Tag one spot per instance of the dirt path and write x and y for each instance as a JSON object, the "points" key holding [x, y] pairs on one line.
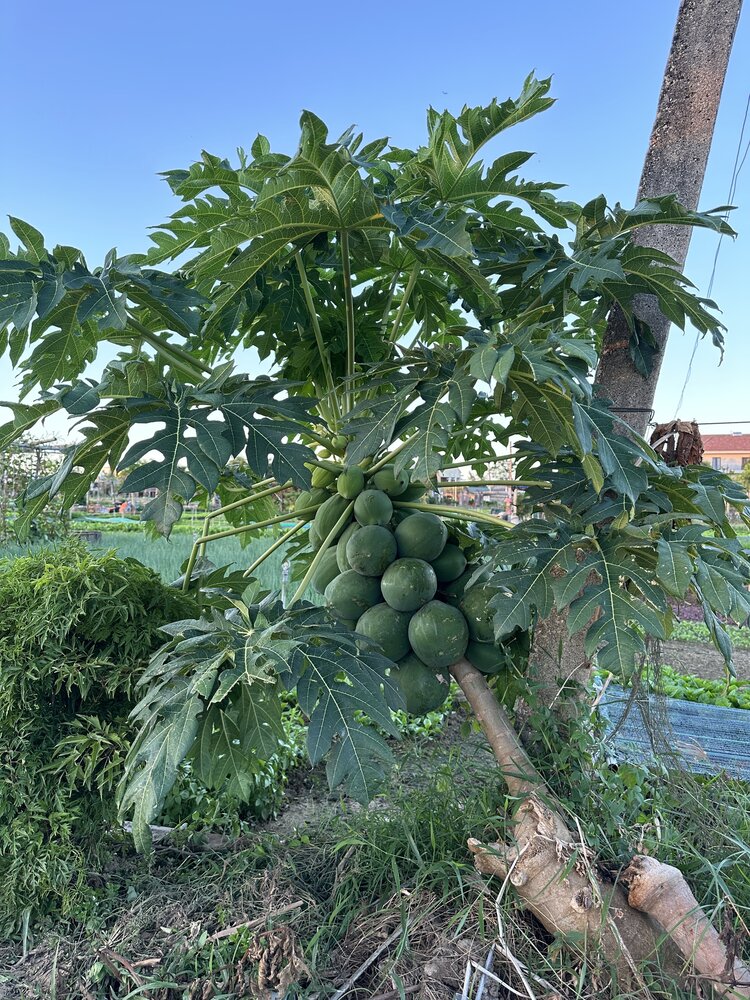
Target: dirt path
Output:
{"points": [[702, 660]]}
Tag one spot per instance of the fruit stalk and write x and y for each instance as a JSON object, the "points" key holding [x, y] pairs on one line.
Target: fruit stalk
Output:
{"points": [[240, 529], [349, 303], [324, 358], [250, 498], [388, 457]]}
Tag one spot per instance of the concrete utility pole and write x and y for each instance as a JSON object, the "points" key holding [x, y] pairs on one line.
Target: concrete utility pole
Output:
{"points": [[675, 164]]}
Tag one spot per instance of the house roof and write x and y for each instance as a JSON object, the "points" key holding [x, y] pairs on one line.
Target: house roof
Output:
{"points": [[726, 442]]}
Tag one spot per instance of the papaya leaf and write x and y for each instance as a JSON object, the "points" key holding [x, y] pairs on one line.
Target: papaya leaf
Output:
{"points": [[371, 424], [674, 567], [616, 601], [236, 736], [25, 416], [431, 228], [31, 238]]}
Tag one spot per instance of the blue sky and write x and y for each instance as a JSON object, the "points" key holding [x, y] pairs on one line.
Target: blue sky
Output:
{"points": [[103, 97]]}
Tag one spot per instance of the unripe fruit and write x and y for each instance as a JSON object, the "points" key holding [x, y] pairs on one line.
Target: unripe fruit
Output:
{"points": [[371, 550], [438, 634], [407, 584], [373, 507], [351, 482], [421, 536], [388, 482]]}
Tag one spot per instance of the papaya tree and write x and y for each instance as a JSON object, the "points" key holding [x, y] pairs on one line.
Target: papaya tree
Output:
{"points": [[421, 310]]}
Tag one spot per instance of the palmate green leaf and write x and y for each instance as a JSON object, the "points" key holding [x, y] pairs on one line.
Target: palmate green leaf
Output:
{"points": [[431, 425], [586, 268], [25, 416], [360, 760], [64, 310], [334, 684], [328, 172], [212, 693], [431, 228], [133, 379], [618, 457], [154, 759], [542, 412], [474, 185], [651, 272], [674, 568], [67, 349], [236, 736], [609, 583], [166, 298], [489, 362], [714, 587], [104, 437], [452, 151], [642, 347], [173, 713], [666, 209], [31, 238], [191, 227], [524, 591], [538, 197], [371, 424], [194, 449]]}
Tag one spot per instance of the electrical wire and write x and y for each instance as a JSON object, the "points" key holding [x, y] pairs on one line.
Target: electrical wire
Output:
{"points": [[739, 161]]}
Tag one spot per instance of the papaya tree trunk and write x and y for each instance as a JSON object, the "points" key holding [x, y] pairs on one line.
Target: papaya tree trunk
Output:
{"points": [[558, 670], [675, 163], [658, 923]]}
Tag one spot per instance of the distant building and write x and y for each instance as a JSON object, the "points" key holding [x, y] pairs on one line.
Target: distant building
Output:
{"points": [[726, 452]]}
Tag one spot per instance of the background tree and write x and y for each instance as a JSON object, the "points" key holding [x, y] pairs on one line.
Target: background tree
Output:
{"points": [[21, 462]]}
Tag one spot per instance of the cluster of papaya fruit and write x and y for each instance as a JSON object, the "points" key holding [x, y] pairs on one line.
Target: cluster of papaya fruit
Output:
{"points": [[398, 576]]}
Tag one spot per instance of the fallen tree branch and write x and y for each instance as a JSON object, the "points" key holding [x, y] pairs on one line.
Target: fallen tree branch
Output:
{"points": [[393, 936], [554, 877], [256, 922]]}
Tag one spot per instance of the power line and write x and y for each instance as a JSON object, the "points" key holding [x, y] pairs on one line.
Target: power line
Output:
{"points": [[738, 164]]}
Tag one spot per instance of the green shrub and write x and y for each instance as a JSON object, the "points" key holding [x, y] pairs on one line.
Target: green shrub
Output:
{"points": [[729, 693], [76, 632]]}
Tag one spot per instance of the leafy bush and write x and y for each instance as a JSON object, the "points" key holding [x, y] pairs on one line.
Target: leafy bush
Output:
{"points": [[729, 693], [75, 635]]}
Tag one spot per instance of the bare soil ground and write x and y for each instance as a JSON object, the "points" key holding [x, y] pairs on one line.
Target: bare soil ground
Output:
{"points": [[702, 660]]}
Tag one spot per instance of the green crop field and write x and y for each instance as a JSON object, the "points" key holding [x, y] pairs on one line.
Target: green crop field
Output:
{"points": [[166, 557]]}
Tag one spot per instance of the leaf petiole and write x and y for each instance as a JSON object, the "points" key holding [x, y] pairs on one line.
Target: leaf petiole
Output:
{"points": [[325, 359], [457, 513], [349, 310], [272, 548], [320, 553]]}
